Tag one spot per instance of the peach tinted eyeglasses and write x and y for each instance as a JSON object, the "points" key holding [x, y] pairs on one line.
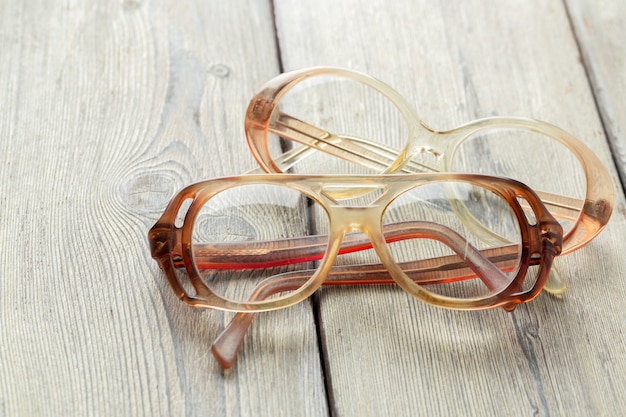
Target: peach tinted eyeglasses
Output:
{"points": [[300, 107]]}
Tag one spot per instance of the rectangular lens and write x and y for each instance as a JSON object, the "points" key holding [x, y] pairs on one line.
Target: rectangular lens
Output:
{"points": [[455, 239], [245, 237]]}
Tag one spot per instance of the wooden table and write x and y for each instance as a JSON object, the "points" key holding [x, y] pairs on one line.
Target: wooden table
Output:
{"points": [[108, 108]]}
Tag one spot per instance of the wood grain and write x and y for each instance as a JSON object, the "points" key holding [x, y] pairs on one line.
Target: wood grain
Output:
{"points": [[600, 31], [389, 354], [107, 109]]}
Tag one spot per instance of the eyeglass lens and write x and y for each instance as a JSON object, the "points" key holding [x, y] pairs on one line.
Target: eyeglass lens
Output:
{"points": [[340, 106], [540, 162]]}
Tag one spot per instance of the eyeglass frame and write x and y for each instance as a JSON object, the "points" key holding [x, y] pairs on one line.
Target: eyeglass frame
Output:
{"points": [[590, 220], [172, 245]]}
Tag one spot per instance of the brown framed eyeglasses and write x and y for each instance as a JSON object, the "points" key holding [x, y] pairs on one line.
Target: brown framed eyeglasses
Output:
{"points": [[217, 250]]}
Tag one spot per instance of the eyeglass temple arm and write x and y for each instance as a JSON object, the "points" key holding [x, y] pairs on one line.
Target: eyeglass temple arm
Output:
{"points": [[473, 263], [270, 253], [375, 156], [309, 135]]}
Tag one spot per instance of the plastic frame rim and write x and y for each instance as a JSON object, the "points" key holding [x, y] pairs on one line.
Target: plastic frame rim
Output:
{"points": [[169, 242]]}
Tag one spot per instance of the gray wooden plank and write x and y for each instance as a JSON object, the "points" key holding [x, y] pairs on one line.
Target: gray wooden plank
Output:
{"points": [[600, 31], [107, 109], [387, 353]]}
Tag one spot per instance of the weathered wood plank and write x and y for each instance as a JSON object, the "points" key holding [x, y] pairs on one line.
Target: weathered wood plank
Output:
{"points": [[387, 353], [600, 30], [107, 109]]}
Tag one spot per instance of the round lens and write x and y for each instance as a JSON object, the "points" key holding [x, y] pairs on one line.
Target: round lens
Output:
{"points": [[250, 241], [541, 162], [352, 127], [429, 238]]}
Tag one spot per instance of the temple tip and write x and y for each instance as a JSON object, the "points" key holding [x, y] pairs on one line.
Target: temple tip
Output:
{"points": [[227, 344], [554, 285]]}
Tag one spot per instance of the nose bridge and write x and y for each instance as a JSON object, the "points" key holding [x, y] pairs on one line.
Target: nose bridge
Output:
{"points": [[427, 149], [362, 218]]}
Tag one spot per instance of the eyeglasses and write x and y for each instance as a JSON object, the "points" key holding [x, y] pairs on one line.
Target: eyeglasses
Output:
{"points": [[340, 113], [250, 244], [263, 242]]}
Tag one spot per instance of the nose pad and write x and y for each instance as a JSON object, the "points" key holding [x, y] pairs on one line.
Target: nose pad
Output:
{"points": [[357, 249]]}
